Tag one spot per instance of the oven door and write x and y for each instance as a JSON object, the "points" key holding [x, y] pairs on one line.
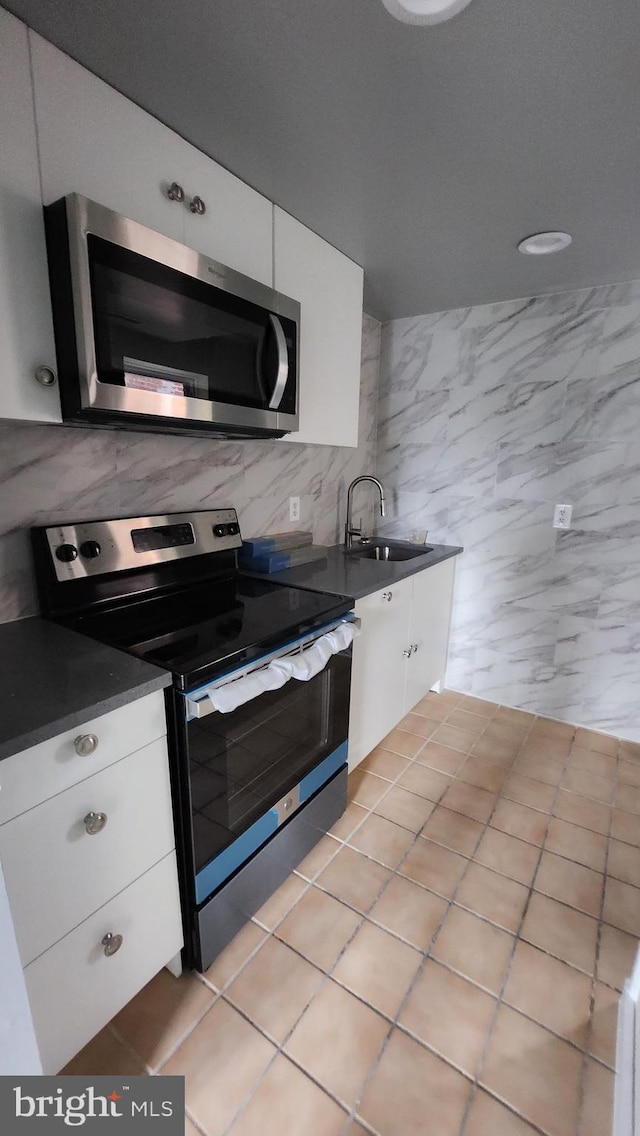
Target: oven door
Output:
{"points": [[250, 769]]}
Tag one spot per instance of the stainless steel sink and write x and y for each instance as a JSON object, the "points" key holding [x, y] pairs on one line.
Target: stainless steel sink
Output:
{"points": [[390, 550]]}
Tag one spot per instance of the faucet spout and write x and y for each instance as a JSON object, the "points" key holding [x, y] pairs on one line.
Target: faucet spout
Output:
{"points": [[349, 530]]}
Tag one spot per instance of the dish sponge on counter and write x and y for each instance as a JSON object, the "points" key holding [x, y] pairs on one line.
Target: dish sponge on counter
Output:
{"points": [[277, 561]]}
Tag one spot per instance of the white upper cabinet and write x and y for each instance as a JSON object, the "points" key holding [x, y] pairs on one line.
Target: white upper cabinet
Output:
{"points": [[95, 142], [237, 225], [26, 332], [89, 139], [329, 288]]}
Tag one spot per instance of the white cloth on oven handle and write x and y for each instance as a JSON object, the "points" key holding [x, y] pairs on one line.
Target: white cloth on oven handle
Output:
{"points": [[304, 665]]}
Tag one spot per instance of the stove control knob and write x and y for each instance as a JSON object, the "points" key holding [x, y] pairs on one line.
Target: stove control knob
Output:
{"points": [[220, 530], [90, 549], [233, 529], [66, 553]]}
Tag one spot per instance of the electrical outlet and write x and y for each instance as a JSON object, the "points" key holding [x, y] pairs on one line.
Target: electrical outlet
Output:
{"points": [[562, 517], [294, 508]]}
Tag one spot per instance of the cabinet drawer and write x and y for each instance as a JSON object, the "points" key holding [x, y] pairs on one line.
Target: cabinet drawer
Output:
{"points": [[57, 873], [74, 989], [38, 773]]}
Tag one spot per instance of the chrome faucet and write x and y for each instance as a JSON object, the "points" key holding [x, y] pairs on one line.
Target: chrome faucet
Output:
{"points": [[349, 530]]}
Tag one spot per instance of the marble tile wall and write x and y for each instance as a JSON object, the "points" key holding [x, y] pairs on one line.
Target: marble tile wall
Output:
{"points": [[57, 473], [488, 416]]}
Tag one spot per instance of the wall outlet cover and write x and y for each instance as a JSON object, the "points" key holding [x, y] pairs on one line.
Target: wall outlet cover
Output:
{"points": [[294, 508], [562, 517]]}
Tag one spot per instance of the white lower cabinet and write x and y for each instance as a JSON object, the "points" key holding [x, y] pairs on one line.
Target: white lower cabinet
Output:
{"points": [[378, 669], [87, 847], [400, 654], [76, 986], [60, 865], [429, 630], [48, 768]]}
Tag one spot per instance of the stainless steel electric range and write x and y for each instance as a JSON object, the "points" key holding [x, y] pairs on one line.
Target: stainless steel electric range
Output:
{"points": [[259, 706]]}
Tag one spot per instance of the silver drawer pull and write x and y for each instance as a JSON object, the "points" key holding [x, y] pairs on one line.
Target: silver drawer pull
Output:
{"points": [[197, 205], [94, 823], [45, 376], [85, 744], [407, 652], [414, 647], [388, 596], [111, 944]]}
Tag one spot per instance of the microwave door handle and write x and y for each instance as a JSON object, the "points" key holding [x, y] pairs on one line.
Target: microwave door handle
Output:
{"points": [[283, 363], [259, 369]]}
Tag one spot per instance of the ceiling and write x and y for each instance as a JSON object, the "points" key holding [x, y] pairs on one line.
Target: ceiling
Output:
{"points": [[424, 153]]}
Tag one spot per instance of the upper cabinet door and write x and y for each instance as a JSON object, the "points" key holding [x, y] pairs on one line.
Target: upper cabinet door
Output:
{"points": [[95, 142], [329, 288], [26, 331], [236, 227]]}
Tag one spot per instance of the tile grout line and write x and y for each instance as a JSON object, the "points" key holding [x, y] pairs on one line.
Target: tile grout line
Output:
{"points": [[326, 973], [500, 997], [450, 903], [329, 972], [582, 1049], [594, 983], [427, 954], [368, 811]]}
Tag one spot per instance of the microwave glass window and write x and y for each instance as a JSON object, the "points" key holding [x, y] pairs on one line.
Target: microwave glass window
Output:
{"points": [[159, 330]]}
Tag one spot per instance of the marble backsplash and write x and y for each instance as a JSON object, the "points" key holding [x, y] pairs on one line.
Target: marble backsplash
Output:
{"points": [[489, 416], [59, 473]]}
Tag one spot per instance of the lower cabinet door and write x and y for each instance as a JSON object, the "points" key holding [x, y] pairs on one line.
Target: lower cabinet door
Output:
{"points": [[429, 630], [78, 985], [69, 855], [379, 668]]}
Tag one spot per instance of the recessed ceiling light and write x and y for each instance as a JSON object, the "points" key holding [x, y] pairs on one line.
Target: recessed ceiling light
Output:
{"points": [[541, 244], [424, 11]]}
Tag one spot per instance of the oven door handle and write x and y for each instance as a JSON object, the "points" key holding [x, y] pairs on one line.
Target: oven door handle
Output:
{"points": [[309, 658]]}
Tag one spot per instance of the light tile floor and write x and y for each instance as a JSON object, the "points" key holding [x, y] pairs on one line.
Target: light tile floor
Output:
{"points": [[447, 961]]}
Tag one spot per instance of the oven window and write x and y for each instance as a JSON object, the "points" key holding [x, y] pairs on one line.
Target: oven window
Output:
{"points": [[240, 764], [160, 330]]}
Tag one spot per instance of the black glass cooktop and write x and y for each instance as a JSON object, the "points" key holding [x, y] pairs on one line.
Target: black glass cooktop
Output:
{"points": [[204, 630]]}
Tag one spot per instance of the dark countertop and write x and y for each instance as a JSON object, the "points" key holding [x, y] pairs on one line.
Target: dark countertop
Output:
{"points": [[348, 574], [54, 680]]}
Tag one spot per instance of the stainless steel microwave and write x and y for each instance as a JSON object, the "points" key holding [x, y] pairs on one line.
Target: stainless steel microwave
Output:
{"points": [[151, 335]]}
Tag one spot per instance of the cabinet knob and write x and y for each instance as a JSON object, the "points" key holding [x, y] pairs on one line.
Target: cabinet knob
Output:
{"points": [[388, 596], [85, 744], [94, 823], [414, 648], [197, 205], [45, 376], [175, 192], [111, 944], [407, 652]]}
